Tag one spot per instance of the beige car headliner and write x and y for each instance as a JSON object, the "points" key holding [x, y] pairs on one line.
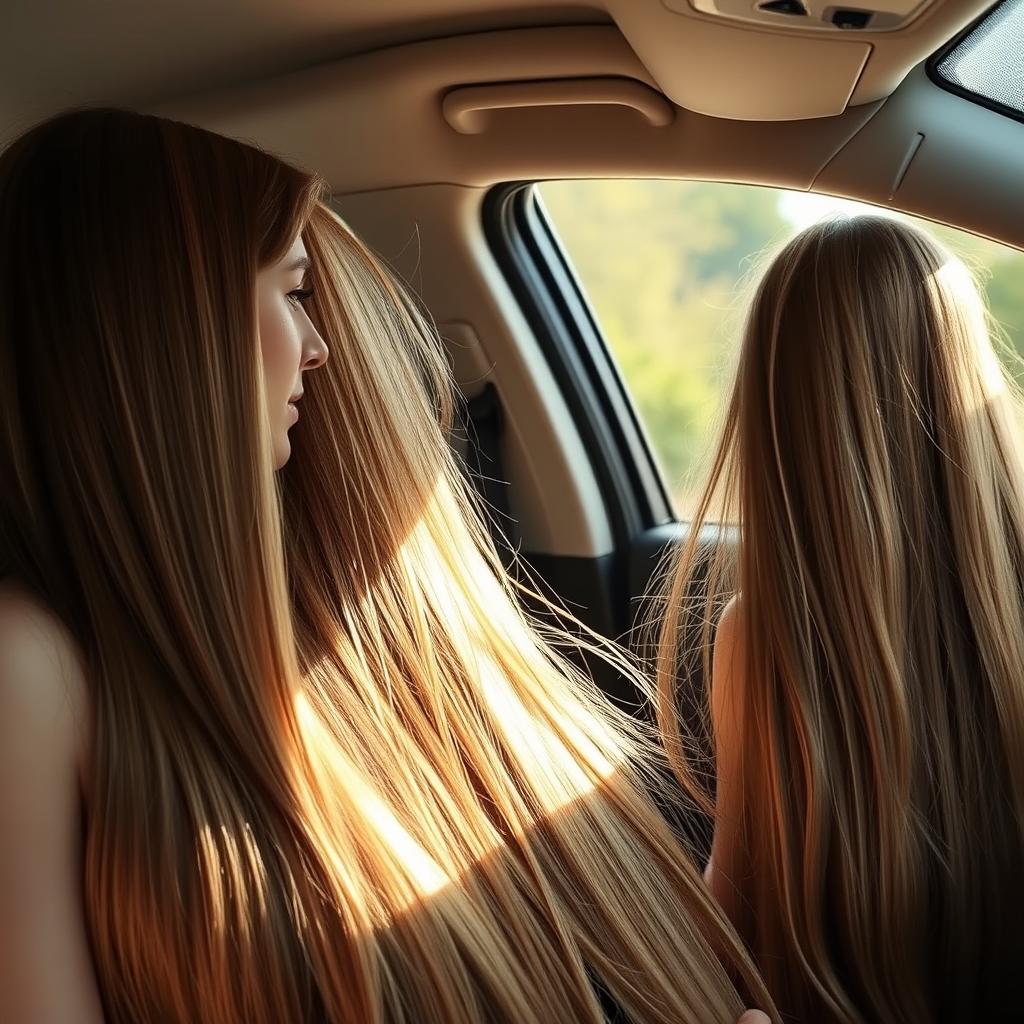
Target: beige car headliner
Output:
{"points": [[54, 55], [362, 92]]}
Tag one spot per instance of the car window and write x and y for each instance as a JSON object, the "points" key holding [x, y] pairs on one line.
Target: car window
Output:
{"points": [[987, 64], [668, 267]]}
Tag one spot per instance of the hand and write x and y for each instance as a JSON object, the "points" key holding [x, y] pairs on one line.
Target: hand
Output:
{"points": [[754, 1017]]}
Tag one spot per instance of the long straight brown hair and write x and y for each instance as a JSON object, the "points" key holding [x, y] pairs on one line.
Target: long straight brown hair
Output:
{"points": [[871, 464], [336, 773]]}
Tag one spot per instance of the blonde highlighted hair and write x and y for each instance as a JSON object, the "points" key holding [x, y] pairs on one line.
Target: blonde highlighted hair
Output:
{"points": [[336, 773], [871, 462]]}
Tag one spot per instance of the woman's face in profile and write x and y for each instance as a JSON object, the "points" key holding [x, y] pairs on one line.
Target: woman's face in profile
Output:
{"points": [[289, 343]]}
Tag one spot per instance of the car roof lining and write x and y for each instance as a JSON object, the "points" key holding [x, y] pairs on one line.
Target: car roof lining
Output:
{"points": [[125, 53], [376, 120]]}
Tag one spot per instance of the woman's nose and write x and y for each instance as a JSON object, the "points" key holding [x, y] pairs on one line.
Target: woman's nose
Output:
{"points": [[314, 351]]}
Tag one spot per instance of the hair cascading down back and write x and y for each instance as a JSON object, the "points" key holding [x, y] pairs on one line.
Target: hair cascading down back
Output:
{"points": [[337, 774], [870, 468]]}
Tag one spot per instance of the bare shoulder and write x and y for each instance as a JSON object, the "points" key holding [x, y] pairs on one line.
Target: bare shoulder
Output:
{"points": [[42, 682], [46, 972], [729, 629]]}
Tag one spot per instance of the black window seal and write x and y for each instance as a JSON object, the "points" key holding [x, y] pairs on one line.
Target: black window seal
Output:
{"points": [[544, 283], [933, 62]]}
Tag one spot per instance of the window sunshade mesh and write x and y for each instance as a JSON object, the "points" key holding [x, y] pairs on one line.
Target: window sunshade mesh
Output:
{"points": [[989, 61]]}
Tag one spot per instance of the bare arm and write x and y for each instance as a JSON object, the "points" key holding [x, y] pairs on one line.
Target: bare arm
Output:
{"points": [[727, 865], [46, 971]]}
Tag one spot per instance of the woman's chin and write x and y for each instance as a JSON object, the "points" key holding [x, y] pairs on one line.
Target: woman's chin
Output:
{"points": [[282, 452]]}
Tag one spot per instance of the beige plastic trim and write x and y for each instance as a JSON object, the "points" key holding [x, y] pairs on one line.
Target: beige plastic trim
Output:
{"points": [[887, 15], [376, 121], [433, 238], [469, 110], [754, 72], [937, 155]]}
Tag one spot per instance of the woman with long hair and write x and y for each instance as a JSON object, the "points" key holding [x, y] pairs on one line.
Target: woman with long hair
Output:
{"points": [[867, 687], [277, 742]]}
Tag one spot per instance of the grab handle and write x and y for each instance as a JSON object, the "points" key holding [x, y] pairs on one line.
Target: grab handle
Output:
{"points": [[467, 109]]}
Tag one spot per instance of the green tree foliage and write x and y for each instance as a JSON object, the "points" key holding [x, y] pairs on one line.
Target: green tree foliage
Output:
{"points": [[668, 267], [1000, 271]]}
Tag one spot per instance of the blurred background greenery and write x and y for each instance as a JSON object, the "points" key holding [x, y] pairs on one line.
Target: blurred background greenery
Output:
{"points": [[668, 267]]}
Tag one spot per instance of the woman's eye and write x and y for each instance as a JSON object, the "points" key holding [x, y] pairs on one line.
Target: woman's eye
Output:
{"points": [[299, 295]]}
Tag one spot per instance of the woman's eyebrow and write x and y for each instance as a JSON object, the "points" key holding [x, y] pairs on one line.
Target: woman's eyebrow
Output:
{"points": [[302, 263]]}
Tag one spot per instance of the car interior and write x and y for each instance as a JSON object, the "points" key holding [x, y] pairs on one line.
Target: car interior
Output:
{"points": [[436, 124]]}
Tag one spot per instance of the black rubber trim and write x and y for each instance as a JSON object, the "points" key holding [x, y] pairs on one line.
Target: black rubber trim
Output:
{"points": [[550, 297], [932, 70]]}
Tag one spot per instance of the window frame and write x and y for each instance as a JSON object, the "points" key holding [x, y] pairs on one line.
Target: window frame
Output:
{"points": [[525, 244]]}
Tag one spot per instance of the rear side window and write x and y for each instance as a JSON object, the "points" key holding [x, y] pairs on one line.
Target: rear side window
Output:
{"points": [[987, 64], [668, 267]]}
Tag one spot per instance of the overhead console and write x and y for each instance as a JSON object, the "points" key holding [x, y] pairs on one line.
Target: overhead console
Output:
{"points": [[776, 60], [812, 15]]}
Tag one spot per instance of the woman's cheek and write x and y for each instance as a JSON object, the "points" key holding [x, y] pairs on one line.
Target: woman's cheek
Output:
{"points": [[279, 344]]}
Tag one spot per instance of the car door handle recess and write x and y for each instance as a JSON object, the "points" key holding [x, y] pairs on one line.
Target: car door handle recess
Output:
{"points": [[468, 109]]}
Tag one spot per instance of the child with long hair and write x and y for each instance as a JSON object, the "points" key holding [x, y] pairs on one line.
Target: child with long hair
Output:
{"points": [[867, 687]]}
